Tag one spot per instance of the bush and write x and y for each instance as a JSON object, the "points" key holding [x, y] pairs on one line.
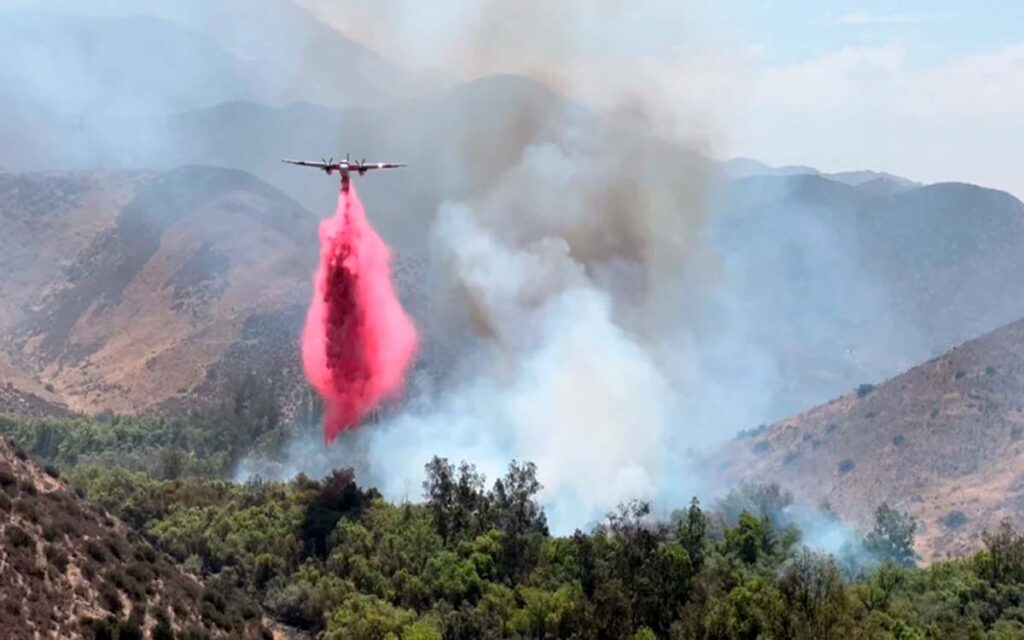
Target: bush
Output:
{"points": [[52, 471], [109, 597], [57, 557], [95, 551], [1016, 432], [864, 389], [17, 536], [898, 440], [953, 520], [846, 466], [762, 447]]}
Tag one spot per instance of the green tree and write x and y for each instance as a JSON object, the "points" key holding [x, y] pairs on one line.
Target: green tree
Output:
{"points": [[893, 536]]}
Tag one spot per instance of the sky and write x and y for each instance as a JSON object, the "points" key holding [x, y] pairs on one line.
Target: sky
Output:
{"points": [[932, 90], [929, 89]]}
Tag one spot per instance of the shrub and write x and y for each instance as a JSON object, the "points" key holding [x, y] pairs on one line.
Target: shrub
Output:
{"points": [[753, 431], [1016, 432], [95, 551], [57, 557], [762, 447], [17, 536], [953, 520], [898, 440], [115, 548], [846, 466], [109, 597], [28, 509], [959, 374], [864, 389], [990, 371], [52, 471]]}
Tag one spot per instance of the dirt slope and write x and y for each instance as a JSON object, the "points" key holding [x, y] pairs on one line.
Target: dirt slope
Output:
{"points": [[70, 570], [944, 440], [123, 291]]}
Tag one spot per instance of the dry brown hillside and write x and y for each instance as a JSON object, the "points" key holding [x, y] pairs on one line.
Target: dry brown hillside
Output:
{"points": [[944, 441], [124, 291], [70, 570]]}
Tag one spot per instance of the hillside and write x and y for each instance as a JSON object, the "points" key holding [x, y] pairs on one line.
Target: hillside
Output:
{"points": [[127, 290], [944, 440], [843, 284], [71, 570]]}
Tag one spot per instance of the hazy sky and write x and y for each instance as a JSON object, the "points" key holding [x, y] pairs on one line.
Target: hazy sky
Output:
{"points": [[930, 89]]}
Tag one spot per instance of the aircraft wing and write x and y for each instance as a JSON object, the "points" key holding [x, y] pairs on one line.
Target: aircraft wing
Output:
{"points": [[308, 163], [367, 166]]}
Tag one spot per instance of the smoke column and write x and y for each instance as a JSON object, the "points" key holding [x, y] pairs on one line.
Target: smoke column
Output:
{"points": [[358, 340]]}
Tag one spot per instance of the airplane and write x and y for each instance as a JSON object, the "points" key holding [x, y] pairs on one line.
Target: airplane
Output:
{"points": [[345, 167]]}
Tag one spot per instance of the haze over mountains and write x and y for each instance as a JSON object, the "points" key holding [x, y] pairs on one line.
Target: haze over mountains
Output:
{"points": [[134, 277]]}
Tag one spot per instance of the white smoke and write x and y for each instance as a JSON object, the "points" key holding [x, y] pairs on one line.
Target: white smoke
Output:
{"points": [[563, 385]]}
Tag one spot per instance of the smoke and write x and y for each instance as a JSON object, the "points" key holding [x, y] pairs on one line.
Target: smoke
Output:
{"points": [[568, 299], [358, 340], [581, 303]]}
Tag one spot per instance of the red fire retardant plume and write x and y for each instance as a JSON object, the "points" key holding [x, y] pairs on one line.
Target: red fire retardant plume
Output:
{"points": [[358, 340]]}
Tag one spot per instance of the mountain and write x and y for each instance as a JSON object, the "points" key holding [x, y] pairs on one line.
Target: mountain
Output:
{"points": [[155, 58], [75, 65], [82, 85], [845, 284], [71, 570], [876, 181], [124, 291], [944, 441], [832, 283]]}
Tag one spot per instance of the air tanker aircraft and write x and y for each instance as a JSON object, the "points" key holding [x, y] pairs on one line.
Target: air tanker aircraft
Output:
{"points": [[345, 167]]}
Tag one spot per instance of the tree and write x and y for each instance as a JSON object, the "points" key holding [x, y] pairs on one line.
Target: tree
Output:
{"points": [[893, 535], [519, 518], [751, 539], [364, 617], [337, 497], [460, 507], [692, 532], [1004, 557], [813, 588]]}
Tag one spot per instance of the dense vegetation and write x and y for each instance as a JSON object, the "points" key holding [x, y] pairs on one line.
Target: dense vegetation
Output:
{"points": [[477, 561]]}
